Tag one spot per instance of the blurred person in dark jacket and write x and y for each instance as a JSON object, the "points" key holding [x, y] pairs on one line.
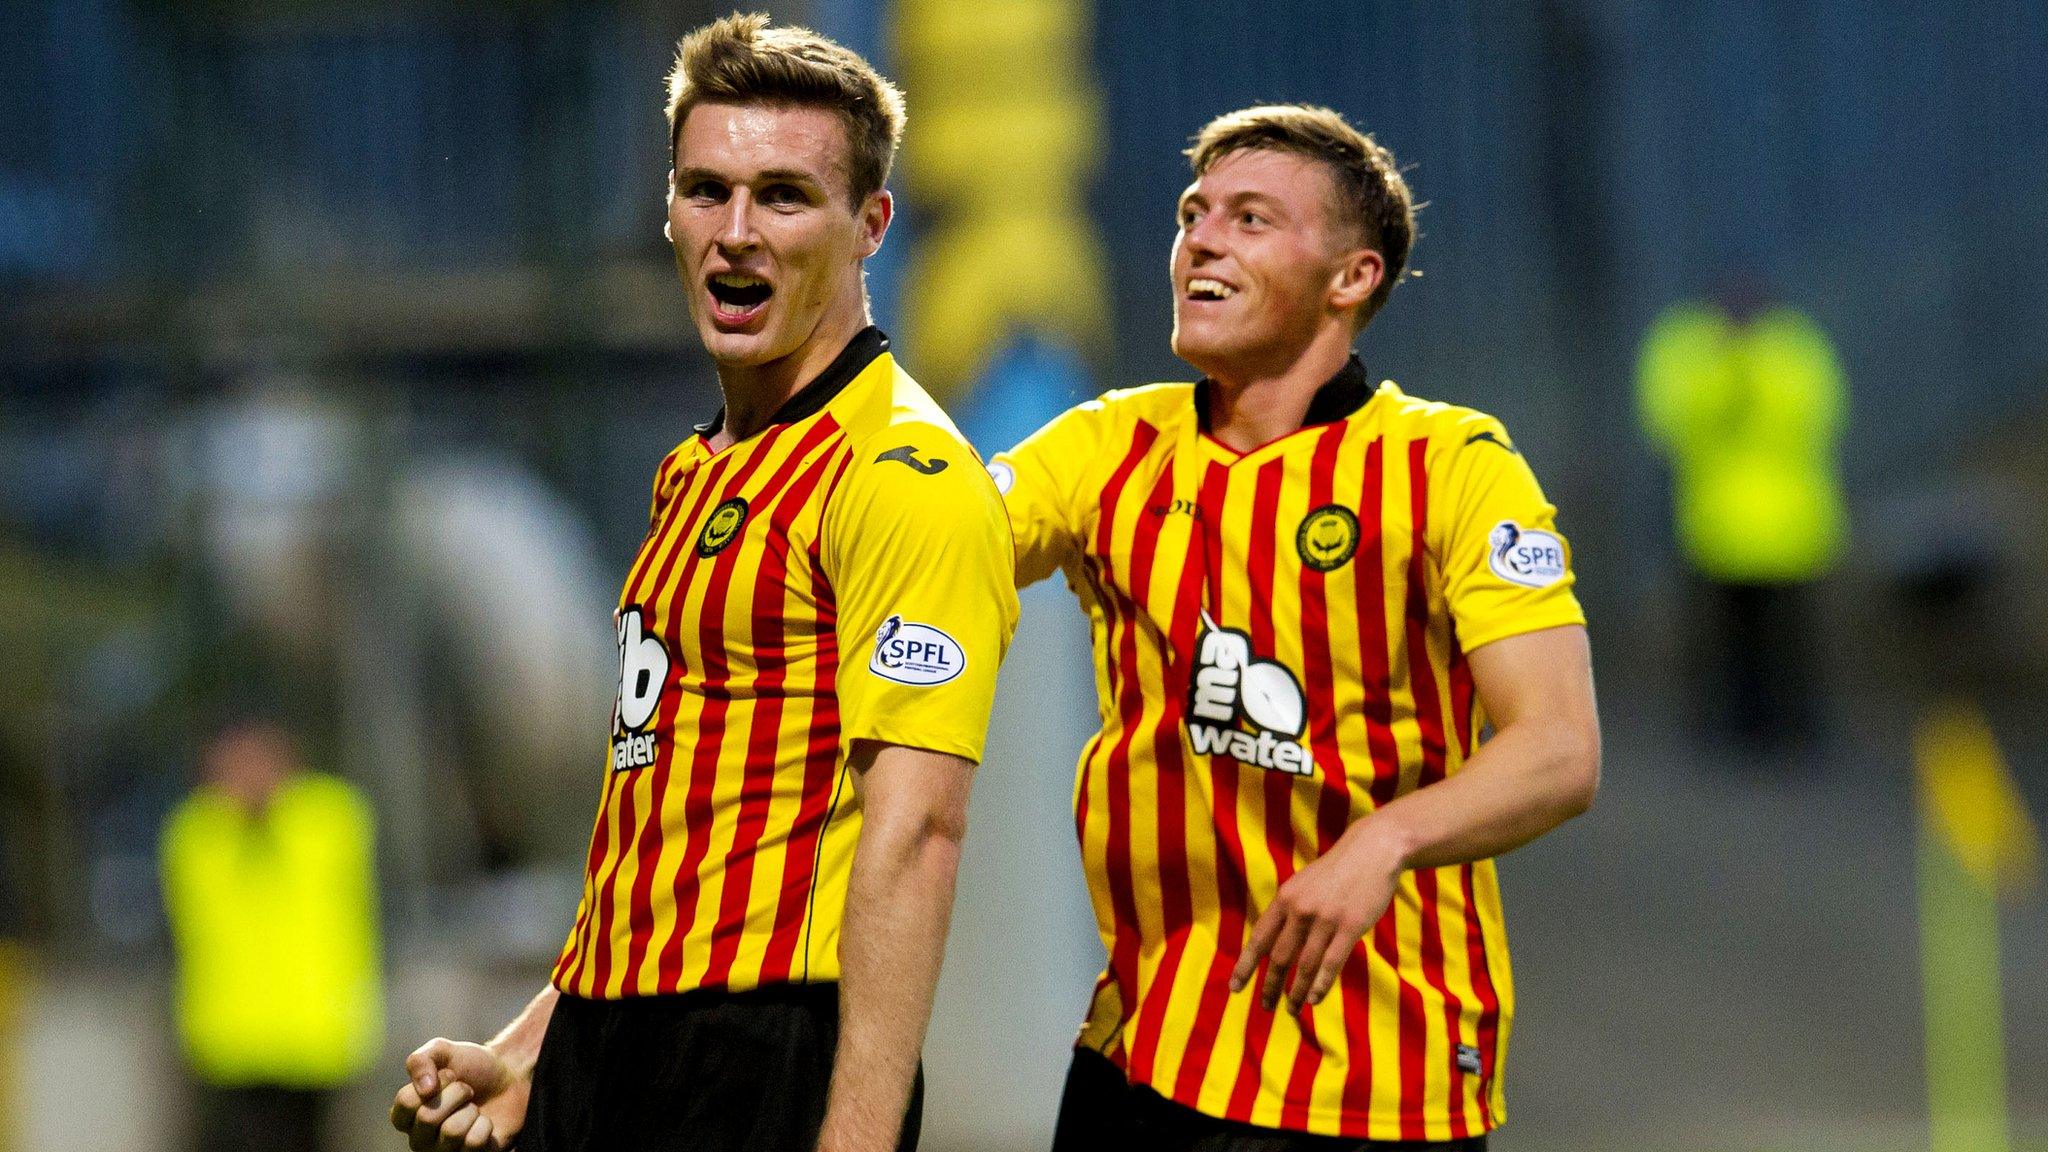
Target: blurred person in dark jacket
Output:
{"points": [[269, 880], [1745, 398]]}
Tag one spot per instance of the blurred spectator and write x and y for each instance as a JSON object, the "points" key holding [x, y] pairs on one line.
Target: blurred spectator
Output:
{"points": [[1745, 399], [269, 881]]}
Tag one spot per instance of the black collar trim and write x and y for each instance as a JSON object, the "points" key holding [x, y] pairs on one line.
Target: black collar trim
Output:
{"points": [[1340, 396], [861, 351]]}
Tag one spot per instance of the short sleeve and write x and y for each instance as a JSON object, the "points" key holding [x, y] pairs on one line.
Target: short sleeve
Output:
{"points": [[1040, 480], [1507, 569], [919, 559]]}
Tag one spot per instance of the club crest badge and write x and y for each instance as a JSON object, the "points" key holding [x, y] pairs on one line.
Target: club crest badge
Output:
{"points": [[1327, 538], [723, 527]]}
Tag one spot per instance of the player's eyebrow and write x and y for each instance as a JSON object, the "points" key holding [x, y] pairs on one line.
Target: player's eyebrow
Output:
{"points": [[1241, 199], [1256, 199], [687, 176]]}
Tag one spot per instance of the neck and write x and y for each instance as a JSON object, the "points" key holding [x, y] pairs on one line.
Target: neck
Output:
{"points": [[754, 393], [1250, 406]]}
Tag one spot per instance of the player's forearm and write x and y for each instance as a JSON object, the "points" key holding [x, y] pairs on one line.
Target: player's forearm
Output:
{"points": [[898, 905], [1531, 777], [518, 1044]]}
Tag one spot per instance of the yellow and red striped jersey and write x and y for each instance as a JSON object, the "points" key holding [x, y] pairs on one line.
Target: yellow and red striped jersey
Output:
{"points": [[1280, 641], [843, 575]]}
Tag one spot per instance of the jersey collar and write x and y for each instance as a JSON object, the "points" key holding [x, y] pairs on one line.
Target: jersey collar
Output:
{"points": [[1340, 396], [861, 351]]}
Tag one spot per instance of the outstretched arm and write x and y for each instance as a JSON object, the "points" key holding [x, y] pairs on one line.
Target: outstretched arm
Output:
{"points": [[1541, 768], [899, 902], [472, 1096]]}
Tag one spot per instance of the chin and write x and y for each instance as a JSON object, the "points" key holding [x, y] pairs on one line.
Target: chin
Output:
{"points": [[738, 349], [1201, 349]]}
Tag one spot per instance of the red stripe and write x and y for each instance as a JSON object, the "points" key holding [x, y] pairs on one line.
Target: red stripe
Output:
{"points": [[1142, 438], [1429, 717], [1144, 554], [640, 905], [1092, 751], [1230, 884], [1354, 991], [710, 728], [1461, 698], [1475, 945], [1370, 577], [1430, 722], [1372, 633], [569, 966], [1095, 570], [1409, 1022], [1333, 800], [767, 684], [1488, 1029], [1482, 987], [1131, 707], [658, 521], [1123, 674], [1278, 787], [1301, 1078], [598, 948], [601, 976], [821, 758], [1176, 899]]}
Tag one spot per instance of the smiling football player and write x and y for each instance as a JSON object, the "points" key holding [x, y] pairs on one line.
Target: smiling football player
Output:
{"points": [[1309, 597]]}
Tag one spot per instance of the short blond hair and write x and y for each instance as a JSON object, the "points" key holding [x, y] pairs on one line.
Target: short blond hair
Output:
{"points": [[1371, 195], [740, 59]]}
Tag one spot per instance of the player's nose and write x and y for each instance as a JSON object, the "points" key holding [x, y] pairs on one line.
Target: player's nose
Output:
{"points": [[736, 226], [1204, 239]]}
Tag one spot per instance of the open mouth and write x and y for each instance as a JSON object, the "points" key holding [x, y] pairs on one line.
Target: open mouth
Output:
{"points": [[737, 292], [1203, 288]]}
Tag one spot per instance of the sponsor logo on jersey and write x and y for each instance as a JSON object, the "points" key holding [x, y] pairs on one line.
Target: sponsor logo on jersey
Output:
{"points": [[1327, 537], [723, 527], [1243, 707], [912, 653], [1003, 475], [643, 673], [1527, 556], [1489, 438], [906, 455]]}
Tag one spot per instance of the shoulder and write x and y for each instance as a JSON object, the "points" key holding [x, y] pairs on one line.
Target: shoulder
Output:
{"points": [[906, 459], [1155, 404], [1115, 415], [1451, 430], [890, 410]]}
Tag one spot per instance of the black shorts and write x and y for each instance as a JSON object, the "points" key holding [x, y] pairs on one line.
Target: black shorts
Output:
{"points": [[706, 1071], [1103, 1112]]}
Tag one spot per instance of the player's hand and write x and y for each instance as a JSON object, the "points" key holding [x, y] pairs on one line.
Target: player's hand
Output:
{"points": [[1317, 917], [460, 1097]]}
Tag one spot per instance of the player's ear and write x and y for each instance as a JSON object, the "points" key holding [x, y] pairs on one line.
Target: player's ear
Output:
{"points": [[1357, 276], [875, 213], [667, 200]]}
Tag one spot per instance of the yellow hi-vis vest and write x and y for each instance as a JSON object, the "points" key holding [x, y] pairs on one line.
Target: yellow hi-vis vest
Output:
{"points": [[274, 917], [1749, 415]]}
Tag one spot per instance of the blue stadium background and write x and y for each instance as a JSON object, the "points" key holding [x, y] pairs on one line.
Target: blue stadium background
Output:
{"points": [[435, 228]]}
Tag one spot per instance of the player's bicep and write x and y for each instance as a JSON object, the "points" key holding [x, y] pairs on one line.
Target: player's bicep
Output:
{"points": [[915, 789], [1546, 673]]}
